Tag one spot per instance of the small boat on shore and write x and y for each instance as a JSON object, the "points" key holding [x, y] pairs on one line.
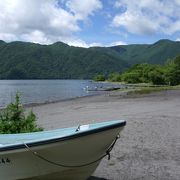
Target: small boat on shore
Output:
{"points": [[68, 154]]}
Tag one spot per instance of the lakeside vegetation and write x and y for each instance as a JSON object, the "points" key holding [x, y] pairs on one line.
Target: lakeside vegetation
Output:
{"points": [[168, 74], [14, 120], [147, 90]]}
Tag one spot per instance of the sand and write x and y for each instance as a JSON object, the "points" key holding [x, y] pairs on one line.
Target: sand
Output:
{"points": [[149, 147]]}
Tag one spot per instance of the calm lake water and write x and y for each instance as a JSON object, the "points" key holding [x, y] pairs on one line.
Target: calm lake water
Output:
{"points": [[40, 91]]}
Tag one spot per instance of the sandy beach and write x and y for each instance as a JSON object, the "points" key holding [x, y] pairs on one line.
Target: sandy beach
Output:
{"points": [[149, 147]]}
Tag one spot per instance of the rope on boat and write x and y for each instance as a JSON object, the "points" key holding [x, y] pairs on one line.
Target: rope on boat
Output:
{"points": [[75, 166]]}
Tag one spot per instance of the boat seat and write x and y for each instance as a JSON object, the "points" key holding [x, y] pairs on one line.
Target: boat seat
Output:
{"points": [[82, 128]]}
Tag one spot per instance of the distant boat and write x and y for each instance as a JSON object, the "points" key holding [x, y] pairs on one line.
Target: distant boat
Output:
{"points": [[87, 88], [70, 153]]}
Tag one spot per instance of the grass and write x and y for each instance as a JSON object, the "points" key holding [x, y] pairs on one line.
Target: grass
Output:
{"points": [[148, 90], [142, 88]]}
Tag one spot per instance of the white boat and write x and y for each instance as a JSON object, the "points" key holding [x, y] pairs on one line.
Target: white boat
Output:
{"points": [[68, 154]]}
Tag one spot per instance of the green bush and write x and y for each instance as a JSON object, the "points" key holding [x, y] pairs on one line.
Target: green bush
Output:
{"points": [[138, 73], [114, 77], [157, 77], [99, 77], [168, 74], [13, 119], [173, 71], [131, 77]]}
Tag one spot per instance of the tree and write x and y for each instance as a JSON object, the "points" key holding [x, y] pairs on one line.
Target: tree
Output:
{"points": [[131, 77], [173, 71], [13, 119], [16, 73], [139, 73], [114, 77], [99, 77], [157, 76]]}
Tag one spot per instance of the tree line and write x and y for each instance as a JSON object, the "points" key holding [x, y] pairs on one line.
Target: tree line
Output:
{"points": [[168, 74]]}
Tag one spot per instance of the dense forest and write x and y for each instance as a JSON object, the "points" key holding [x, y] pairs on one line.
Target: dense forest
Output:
{"points": [[23, 60], [168, 74]]}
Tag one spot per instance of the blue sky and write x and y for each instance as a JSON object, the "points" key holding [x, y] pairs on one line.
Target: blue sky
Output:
{"points": [[88, 23]]}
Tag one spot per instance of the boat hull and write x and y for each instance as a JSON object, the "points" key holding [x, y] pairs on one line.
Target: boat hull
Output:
{"points": [[65, 159]]}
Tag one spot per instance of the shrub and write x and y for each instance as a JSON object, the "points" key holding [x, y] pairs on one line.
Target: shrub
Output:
{"points": [[114, 77], [13, 119], [99, 77], [138, 73], [173, 71], [157, 77], [131, 77]]}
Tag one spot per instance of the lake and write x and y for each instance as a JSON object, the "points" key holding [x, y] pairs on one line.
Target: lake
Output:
{"points": [[40, 91]]}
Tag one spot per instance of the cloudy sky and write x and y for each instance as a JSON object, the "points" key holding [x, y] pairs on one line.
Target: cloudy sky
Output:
{"points": [[89, 22]]}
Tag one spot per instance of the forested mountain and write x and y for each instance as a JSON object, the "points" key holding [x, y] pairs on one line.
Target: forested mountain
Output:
{"points": [[20, 60], [156, 53], [23, 60]]}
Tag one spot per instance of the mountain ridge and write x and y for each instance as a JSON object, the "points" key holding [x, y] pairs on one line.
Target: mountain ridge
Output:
{"points": [[156, 53], [26, 60]]}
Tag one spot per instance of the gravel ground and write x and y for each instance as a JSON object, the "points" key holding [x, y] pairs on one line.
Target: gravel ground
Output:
{"points": [[149, 147]]}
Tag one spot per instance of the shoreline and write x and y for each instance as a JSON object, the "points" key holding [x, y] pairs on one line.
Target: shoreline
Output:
{"points": [[125, 93], [58, 101], [126, 88], [29, 105]]}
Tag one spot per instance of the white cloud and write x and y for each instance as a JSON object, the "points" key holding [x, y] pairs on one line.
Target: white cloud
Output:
{"points": [[148, 16], [174, 28], [117, 43], [135, 23], [83, 8], [7, 37], [96, 44], [178, 39], [37, 37], [43, 21], [80, 43]]}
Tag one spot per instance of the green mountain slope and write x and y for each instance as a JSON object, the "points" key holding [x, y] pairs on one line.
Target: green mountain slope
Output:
{"points": [[156, 53], [22, 60]]}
